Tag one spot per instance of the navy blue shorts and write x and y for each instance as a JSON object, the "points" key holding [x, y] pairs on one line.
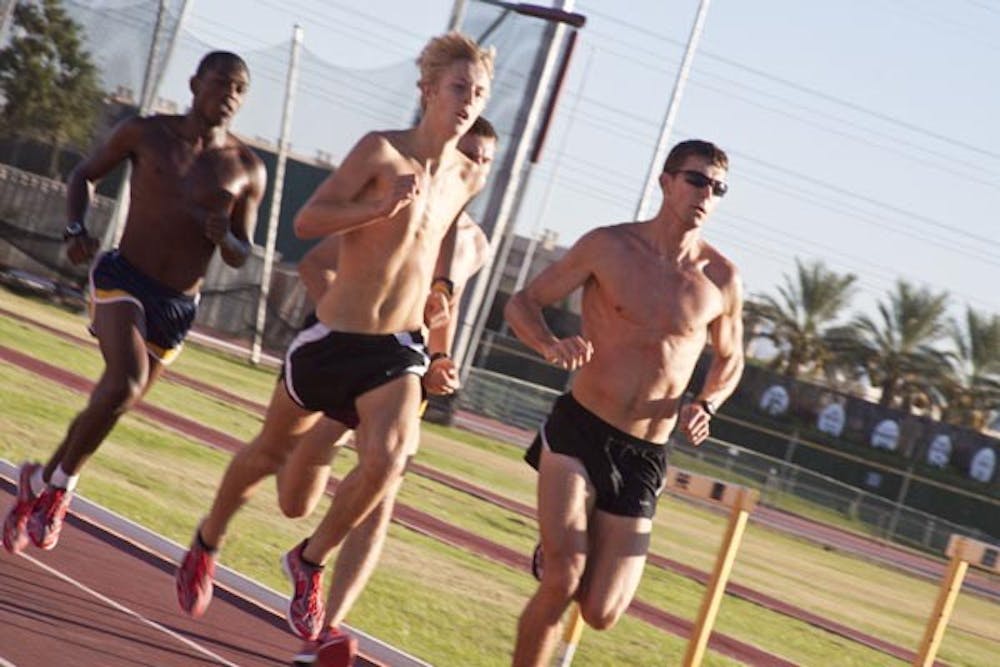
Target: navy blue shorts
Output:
{"points": [[169, 314], [325, 371], [627, 472]]}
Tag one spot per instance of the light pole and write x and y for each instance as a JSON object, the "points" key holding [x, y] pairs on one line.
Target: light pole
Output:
{"points": [[279, 183], [660, 153]]}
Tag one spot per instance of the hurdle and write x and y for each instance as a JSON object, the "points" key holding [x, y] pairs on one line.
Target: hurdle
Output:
{"points": [[963, 551], [740, 501]]}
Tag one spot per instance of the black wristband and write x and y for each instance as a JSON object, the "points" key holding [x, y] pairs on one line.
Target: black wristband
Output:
{"points": [[708, 406], [439, 355], [73, 230]]}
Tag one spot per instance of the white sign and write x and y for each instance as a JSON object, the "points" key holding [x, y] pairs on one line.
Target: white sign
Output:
{"points": [[984, 463], [831, 419], [939, 453], [885, 435], [774, 401]]}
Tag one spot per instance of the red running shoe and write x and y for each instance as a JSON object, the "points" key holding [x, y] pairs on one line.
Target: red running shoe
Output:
{"points": [[15, 526], [194, 578], [333, 648], [46, 520], [306, 611]]}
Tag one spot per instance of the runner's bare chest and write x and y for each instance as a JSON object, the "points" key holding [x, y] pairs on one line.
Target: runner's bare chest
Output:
{"points": [[184, 174], [660, 297]]}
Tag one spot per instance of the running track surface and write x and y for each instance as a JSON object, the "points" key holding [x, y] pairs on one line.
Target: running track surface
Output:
{"points": [[100, 600], [724, 644]]}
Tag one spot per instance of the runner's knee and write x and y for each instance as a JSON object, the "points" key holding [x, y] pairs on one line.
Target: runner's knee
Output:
{"points": [[386, 459], [262, 456], [382, 467], [292, 504], [118, 395], [601, 613], [562, 574]]}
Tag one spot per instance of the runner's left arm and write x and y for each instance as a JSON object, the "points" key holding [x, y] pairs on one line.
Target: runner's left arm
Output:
{"points": [[235, 245], [726, 336]]}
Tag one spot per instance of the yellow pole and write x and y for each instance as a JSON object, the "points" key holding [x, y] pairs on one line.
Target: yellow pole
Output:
{"points": [[945, 604], [571, 636], [738, 516]]}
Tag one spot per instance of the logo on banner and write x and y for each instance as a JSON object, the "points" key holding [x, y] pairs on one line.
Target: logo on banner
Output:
{"points": [[984, 463], [939, 453], [885, 435], [831, 419], [774, 401]]}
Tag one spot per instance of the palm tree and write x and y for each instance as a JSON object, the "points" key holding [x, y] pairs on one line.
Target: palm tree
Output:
{"points": [[799, 317], [972, 387], [896, 350]]}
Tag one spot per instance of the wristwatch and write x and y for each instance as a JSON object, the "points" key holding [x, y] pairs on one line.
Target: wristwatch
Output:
{"points": [[708, 406], [73, 230]]}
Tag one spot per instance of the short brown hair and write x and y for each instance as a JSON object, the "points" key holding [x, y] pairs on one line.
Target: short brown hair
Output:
{"points": [[446, 49], [482, 128], [706, 149]]}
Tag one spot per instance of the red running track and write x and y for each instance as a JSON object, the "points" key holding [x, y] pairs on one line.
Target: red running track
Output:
{"points": [[99, 600]]}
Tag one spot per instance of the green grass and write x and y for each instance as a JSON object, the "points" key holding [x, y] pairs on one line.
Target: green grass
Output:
{"points": [[164, 481]]}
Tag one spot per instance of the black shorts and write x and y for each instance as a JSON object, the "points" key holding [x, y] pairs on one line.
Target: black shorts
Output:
{"points": [[169, 314], [325, 371], [627, 472]]}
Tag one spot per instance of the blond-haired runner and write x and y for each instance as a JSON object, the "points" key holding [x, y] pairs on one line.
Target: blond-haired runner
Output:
{"points": [[303, 478], [653, 293], [393, 201]]}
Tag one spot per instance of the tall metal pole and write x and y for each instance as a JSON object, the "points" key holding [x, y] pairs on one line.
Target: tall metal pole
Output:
{"points": [[457, 14], [484, 292], [279, 182], [147, 96], [660, 154], [522, 275], [168, 53]]}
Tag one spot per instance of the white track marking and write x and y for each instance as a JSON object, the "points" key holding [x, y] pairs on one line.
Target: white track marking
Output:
{"points": [[120, 607]]}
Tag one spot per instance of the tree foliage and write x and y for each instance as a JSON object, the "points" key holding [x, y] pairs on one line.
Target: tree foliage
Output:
{"points": [[897, 349], [50, 84], [797, 320], [971, 384]]}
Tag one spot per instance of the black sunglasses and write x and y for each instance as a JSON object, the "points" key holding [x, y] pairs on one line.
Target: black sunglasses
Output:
{"points": [[700, 180]]}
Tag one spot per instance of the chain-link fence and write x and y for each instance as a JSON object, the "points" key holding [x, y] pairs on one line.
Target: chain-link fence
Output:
{"points": [[514, 402], [793, 488], [783, 485]]}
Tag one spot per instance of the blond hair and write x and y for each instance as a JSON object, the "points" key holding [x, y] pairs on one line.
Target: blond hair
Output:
{"points": [[444, 50]]}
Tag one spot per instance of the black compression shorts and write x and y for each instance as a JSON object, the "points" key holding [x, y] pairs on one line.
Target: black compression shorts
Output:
{"points": [[325, 371], [627, 472]]}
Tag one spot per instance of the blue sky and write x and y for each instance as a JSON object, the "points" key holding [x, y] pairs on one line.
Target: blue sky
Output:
{"points": [[860, 133]]}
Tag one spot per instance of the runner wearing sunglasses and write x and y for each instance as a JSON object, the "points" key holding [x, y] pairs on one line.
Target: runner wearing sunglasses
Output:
{"points": [[654, 292]]}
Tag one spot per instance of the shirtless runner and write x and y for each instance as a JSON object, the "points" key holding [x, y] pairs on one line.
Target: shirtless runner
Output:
{"points": [[653, 293], [393, 201], [195, 187], [303, 478]]}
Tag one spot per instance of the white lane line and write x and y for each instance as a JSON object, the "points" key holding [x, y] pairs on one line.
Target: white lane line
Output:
{"points": [[5, 663], [120, 607]]}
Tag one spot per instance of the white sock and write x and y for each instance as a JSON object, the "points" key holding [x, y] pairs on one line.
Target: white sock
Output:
{"points": [[36, 482], [61, 480]]}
